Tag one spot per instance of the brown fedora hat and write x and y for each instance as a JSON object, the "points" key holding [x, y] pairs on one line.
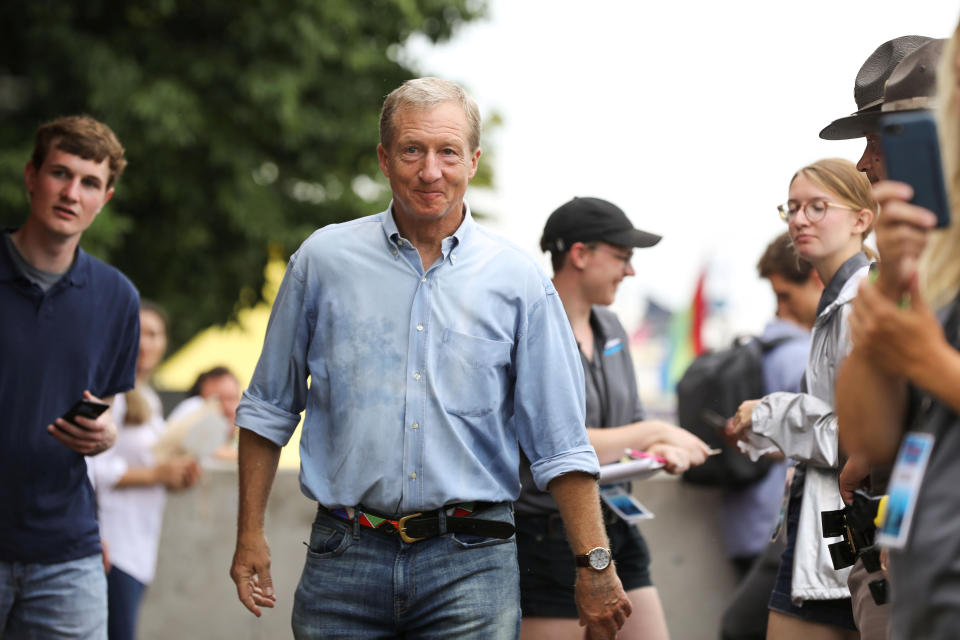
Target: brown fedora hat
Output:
{"points": [[868, 88], [913, 84]]}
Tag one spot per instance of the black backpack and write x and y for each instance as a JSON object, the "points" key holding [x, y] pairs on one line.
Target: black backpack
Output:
{"points": [[711, 389]]}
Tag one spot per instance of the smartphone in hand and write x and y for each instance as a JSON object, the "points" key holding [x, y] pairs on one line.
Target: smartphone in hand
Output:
{"points": [[85, 408], [911, 152]]}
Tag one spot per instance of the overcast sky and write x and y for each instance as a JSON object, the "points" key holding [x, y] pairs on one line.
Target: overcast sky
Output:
{"points": [[691, 116]]}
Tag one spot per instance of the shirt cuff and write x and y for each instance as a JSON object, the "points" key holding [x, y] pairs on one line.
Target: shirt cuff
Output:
{"points": [[582, 459], [266, 420]]}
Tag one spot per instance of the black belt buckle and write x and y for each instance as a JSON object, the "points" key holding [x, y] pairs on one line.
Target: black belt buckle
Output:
{"points": [[402, 528]]}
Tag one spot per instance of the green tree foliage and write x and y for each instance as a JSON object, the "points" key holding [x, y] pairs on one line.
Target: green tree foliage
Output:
{"points": [[248, 124]]}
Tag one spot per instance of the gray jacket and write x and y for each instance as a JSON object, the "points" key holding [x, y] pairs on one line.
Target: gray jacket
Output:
{"points": [[804, 427]]}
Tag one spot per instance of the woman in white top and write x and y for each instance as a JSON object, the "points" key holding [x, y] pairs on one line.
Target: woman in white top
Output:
{"points": [[829, 213], [131, 486]]}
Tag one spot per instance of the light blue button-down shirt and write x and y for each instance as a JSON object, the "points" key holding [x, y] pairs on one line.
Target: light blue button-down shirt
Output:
{"points": [[421, 383]]}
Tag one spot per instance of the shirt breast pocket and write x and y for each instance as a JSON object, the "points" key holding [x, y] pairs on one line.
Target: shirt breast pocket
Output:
{"points": [[473, 373]]}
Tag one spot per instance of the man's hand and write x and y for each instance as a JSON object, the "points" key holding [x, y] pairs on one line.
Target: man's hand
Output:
{"points": [[251, 573], [854, 472], [87, 437], [741, 420], [601, 602]]}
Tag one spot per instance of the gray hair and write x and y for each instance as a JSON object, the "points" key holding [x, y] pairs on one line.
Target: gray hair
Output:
{"points": [[424, 93]]}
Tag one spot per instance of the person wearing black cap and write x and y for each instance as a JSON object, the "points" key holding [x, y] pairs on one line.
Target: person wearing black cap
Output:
{"points": [[590, 241]]}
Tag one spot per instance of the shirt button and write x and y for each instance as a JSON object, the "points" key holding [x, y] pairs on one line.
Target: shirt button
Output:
{"points": [[413, 476], [423, 279], [419, 327], [416, 425], [453, 256], [416, 375]]}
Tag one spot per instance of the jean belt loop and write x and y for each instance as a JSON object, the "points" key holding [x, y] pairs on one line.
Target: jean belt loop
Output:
{"points": [[442, 520], [356, 526]]}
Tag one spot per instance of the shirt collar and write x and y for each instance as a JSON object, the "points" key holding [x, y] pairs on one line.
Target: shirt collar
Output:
{"points": [[459, 237], [76, 275], [847, 269]]}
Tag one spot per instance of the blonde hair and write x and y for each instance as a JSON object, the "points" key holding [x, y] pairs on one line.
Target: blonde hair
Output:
{"points": [[851, 187], [939, 266]]}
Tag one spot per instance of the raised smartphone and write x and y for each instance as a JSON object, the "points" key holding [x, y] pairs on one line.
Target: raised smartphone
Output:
{"points": [[911, 152]]}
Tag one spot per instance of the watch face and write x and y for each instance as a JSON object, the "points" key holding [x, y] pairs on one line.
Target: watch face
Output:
{"points": [[599, 558]]}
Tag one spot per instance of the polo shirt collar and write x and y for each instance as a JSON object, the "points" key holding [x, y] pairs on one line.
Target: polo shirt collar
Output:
{"points": [[77, 275]]}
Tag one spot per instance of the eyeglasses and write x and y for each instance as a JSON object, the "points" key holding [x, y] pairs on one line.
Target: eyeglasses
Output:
{"points": [[814, 209], [625, 258]]}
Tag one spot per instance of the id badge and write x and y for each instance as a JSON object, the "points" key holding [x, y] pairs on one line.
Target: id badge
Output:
{"points": [[779, 527], [903, 489]]}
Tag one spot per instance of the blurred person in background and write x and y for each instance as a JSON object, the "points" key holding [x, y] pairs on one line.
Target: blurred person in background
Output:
{"points": [[749, 514], [591, 242], [131, 484], [903, 374], [829, 213], [217, 382]]}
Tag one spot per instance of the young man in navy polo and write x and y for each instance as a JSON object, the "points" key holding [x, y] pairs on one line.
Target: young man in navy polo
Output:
{"points": [[69, 329]]}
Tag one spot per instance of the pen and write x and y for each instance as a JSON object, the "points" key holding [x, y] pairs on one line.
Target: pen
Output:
{"points": [[633, 453]]}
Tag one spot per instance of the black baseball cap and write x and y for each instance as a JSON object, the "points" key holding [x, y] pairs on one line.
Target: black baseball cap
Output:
{"points": [[592, 220]]}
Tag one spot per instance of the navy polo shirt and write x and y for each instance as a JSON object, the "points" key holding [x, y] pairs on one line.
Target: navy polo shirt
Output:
{"points": [[83, 333]]}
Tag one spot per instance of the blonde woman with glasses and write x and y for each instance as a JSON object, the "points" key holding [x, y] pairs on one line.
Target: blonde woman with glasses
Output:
{"points": [[829, 213]]}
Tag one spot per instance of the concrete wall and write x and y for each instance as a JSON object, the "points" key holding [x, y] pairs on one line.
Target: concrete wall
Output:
{"points": [[193, 596]]}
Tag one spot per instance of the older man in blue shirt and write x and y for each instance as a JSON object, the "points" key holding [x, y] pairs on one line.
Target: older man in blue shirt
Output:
{"points": [[433, 348]]}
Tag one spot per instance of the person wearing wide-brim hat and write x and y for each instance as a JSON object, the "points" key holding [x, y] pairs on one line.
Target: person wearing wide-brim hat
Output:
{"points": [[910, 86], [868, 91], [591, 242]]}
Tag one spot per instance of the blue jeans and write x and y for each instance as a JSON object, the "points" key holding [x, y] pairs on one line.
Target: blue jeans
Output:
{"points": [[53, 601], [358, 583], [124, 593]]}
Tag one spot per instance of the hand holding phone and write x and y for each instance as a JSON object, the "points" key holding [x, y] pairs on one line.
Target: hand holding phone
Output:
{"points": [[96, 436], [91, 409]]}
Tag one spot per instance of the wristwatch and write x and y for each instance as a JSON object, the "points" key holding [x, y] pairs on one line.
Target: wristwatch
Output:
{"points": [[597, 559]]}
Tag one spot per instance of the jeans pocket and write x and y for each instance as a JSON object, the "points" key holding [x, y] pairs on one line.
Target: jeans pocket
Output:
{"points": [[471, 541], [327, 541]]}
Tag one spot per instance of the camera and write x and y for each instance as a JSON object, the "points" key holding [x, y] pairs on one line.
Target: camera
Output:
{"points": [[856, 524]]}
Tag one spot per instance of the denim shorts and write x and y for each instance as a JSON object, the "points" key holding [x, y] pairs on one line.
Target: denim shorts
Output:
{"points": [[361, 583], [836, 613], [61, 600], [547, 566]]}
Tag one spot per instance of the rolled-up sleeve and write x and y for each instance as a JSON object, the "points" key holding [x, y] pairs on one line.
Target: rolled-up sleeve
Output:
{"points": [[549, 395], [272, 404], [802, 425]]}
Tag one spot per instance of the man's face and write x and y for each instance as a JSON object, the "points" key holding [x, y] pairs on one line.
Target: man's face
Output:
{"points": [[797, 302], [227, 389], [871, 162], [67, 192], [429, 162]]}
